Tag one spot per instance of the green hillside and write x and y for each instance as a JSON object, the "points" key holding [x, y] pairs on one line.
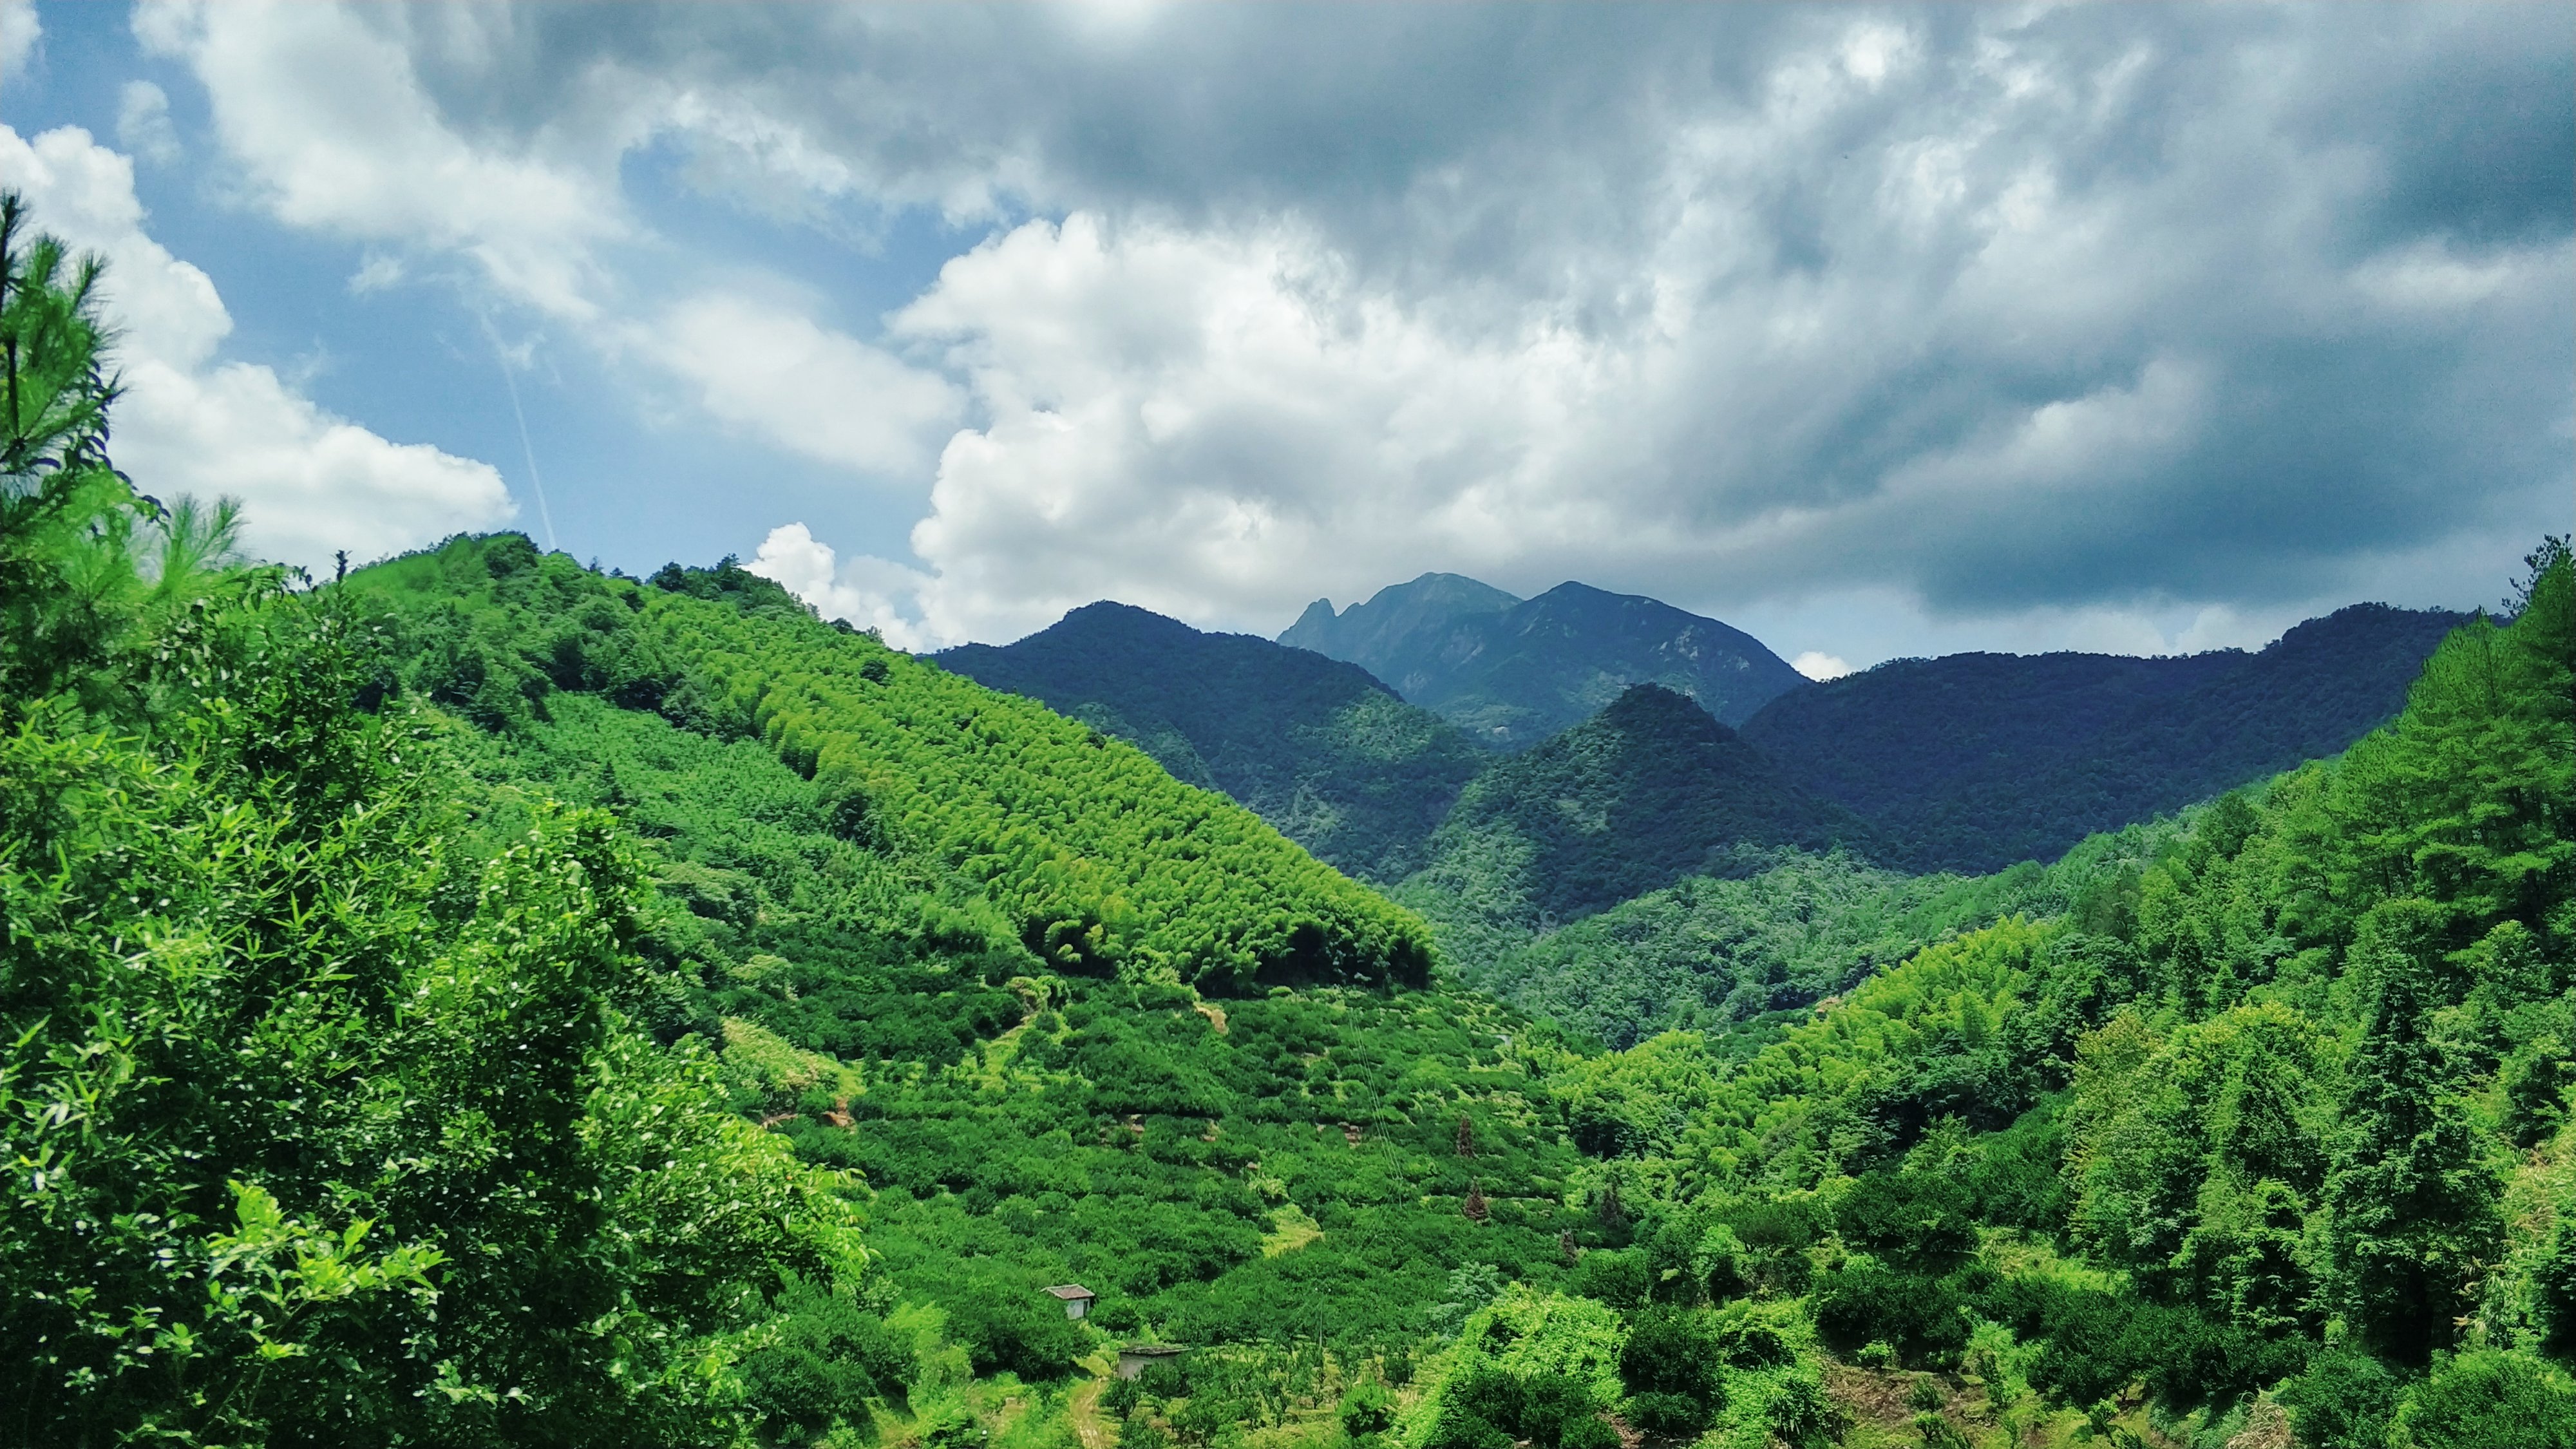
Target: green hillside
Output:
{"points": [[1316, 747], [1974, 761], [2279, 1138], [1009, 823], [1023, 1127], [1647, 792], [1715, 952], [488, 1003]]}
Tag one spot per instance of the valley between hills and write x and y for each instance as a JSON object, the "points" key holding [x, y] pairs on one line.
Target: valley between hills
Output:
{"points": [[484, 1000]]}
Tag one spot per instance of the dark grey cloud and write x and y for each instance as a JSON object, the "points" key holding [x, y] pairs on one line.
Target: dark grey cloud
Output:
{"points": [[2044, 307]]}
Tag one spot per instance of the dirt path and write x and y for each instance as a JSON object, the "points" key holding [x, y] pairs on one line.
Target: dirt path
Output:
{"points": [[1082, 1407]]}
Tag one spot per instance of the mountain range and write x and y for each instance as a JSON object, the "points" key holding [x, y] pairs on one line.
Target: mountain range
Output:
{"points": [[1512, 671], [1974, 761], [1317, 747], [1963, 764]]}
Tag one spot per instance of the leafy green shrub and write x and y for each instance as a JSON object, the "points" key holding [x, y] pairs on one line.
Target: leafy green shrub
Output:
{"points": [[1588, 1432], [826, 1357], [1366, 1409], [2489, 1399], [1659, 1413], [1918, 1221], [1617, 1278], [1006, 1325], [1670, 1353], [1456, 1426], [1916, 1316]]}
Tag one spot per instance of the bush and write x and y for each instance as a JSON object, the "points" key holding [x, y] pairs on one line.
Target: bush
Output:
{"points": [[1916, 1316], [1589, 1432], [1454, 1426], [2343, 1401], [1614, 1278], [2490, 1399], [1668, 1354], [1367, 1409], [1800, 1412], [1667, 1413], [1007, 1328], [830, 1356], [1919, 1221]]}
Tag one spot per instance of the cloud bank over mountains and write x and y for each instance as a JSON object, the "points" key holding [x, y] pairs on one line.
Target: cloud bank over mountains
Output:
{"points": [[1872, 330]]}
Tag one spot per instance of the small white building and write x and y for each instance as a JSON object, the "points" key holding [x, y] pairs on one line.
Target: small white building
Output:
{"points": [[1076, 1299], [1133, 1358]]}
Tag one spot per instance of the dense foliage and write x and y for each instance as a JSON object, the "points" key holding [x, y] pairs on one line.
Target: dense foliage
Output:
{"points": [[1314, 746], [1023, 826], [2285, 1132], [1514, 672], [1975, 761], [1647, 792], [486, 1002], [325, 1118], [1716, 952], [1225, 1170]]}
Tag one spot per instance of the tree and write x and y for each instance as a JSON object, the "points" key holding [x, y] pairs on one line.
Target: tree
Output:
{"points": [[2412, 1197], [65, 514]]}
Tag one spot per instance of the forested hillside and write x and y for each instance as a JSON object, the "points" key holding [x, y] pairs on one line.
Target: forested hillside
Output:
{"points": [[486, 1002], [1316, 747], [978, 820], [328, 1114], [1514, 675], [1717, 953], [1974, 761], [1648, 791], [2275, 1142]]}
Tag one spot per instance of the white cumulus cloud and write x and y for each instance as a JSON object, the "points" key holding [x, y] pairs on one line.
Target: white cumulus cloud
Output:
{"points": [[143, 123], [329, 117], [191, 423], [1227, 425], [19, 32], [2057, 324], [1819, 666], [806, 388], [868, 592]]}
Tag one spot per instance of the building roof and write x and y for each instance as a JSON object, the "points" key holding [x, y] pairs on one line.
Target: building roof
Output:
{"points": [[1071, 1291]]}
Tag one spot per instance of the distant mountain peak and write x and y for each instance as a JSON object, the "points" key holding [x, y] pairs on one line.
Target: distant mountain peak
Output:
{"points": [[1653, 707], [1512, 672], [1314, 745]]}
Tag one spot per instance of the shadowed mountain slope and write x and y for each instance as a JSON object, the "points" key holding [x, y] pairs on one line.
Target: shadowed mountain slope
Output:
{"points": [[1513, 673], [1314, 746], [1399, 630], [1650, 790], [1974, 761]]}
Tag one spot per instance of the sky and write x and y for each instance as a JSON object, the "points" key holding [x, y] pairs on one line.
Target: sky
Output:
{"points": [[1874, 331]]}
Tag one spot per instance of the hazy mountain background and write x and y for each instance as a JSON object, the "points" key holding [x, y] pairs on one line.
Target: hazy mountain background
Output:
{"points": [[1974, 761], [1512, 672], [1924, 772], [1318, 748]]}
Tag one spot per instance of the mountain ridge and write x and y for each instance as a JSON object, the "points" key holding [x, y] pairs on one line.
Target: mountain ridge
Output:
{"points": [[1974, 761], [1514, 673], [1316, 746], [1649, 791]]}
